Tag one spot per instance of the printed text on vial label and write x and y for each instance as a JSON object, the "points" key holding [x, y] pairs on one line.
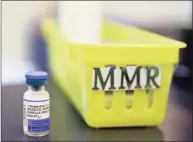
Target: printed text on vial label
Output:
{"points": [[36, 110]]}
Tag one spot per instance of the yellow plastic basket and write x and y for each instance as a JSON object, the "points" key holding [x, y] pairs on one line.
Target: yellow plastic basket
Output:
{"points": [[72, 64]]}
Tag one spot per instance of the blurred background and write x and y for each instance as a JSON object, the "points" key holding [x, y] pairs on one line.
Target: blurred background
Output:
{"points": [[23, 47]]}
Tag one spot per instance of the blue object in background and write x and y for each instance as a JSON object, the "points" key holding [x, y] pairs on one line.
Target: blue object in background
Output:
{"points": [[40, 57]]}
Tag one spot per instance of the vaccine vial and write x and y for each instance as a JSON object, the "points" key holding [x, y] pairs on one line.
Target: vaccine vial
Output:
{"points": [[36, 105]]}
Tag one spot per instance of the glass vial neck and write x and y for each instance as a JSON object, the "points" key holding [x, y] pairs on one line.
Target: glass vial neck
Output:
{"points": [[36, 88]]}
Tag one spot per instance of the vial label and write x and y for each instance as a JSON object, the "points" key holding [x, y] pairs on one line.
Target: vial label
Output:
{"points": [[36, 116]]}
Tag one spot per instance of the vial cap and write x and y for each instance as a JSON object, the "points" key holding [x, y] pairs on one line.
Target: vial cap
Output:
{"points": [[34, 75]]}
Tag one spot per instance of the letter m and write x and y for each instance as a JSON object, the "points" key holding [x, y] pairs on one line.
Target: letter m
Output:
{"points": [[103, 82]]}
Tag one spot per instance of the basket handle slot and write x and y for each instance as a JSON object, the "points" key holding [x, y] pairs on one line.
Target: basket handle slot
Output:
{"points": [[149, 94], [108, 99], [129, 100]]}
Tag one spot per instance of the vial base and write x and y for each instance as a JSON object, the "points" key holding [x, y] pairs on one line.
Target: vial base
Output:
{"points": [[36, 134]]}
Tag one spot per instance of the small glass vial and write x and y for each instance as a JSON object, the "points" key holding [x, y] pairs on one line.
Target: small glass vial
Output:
{"points": [[36, 105]]}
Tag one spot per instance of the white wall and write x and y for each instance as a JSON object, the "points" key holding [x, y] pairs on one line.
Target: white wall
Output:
{"points": [[153, 13], [16, 18]]}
